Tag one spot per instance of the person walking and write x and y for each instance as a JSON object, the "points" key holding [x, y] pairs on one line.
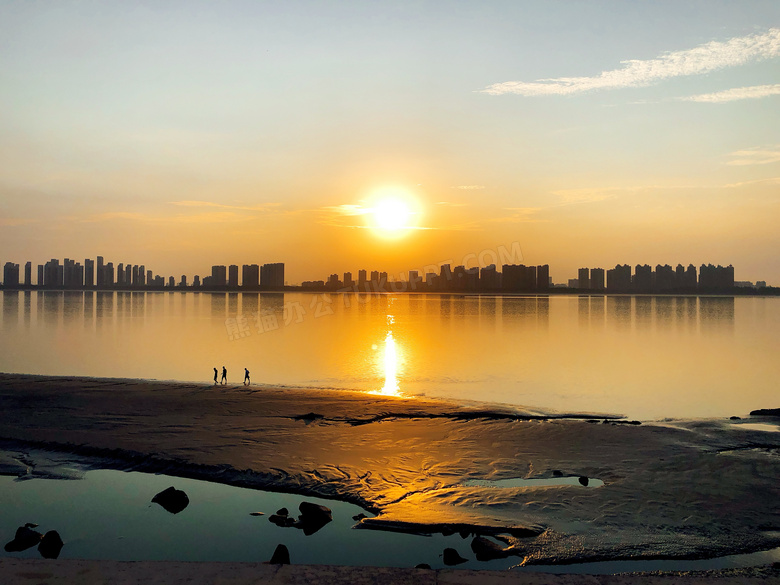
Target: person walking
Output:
{"points": [[215, 376], [224, 375], [246, 376]]}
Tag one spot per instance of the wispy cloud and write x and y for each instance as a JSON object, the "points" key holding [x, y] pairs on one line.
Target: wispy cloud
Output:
{"points": [[738, 93], [639, 73], [755, 156], [470, 187], [349, 209]]}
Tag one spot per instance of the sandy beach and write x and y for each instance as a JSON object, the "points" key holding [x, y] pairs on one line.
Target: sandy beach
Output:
{"points": [[673, 489]]}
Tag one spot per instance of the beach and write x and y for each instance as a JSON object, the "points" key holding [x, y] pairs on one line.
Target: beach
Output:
{"points": [[673, 489]]}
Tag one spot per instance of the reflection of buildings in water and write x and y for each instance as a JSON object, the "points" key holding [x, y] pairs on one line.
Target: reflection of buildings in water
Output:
{"points": [[138, 304], [250, 302], [445, 306], [52, 306], [104, 307], [27, 301], [487, 310], [89, 306], [590, 310], [218, 305], [10, 308], [687, 311], [716, 313], [274, 302], [664, 311], [232, 304], [619, 311], [525, 310], [643, 311], [72, 305], [583, 311]]}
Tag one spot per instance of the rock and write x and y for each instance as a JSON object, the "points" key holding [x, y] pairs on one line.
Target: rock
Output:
{"points": [[735, 418], [315, 511], [309, 417], [283, 521], [451, 557], [765, 412], [487, 550], [281, 556], [173, 500], [51, 544], [583, 480], [283, 512], [256, 514], [557, 473], [25, 538], [359, 517], [423, 566]]}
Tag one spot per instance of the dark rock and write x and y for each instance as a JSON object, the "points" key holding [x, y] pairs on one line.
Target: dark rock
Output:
{"points": [[765, 412], [281, 556], [173, 500], [359, 517], [51, 544], [464, 534], [283, 512], [283, 521], [315, 511], [256, 514], [735, 418], [487, 550], [423, 566], [309, 417], [451, 557], [557, 473], [583, 480], [25, 538]]}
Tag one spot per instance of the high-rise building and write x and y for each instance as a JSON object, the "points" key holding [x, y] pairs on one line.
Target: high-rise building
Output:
{"points": [[543, 277], [362, 279], [233, 276], [619, 278], [196, 281], [40, 275], [348, 282], [10, 275], [28, 274], [643, 278], [583, 278], [272, 275], [218, 275], [414, 280], [120, 274], [128, 274], [108, 277], [89, 273], [489, 278], [100, 272], [597, 279], [250, 276], [51, 274], [183, 281]]}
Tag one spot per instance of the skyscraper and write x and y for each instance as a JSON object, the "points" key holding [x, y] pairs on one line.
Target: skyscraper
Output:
{"points": [[233, 276], [272, 275]]}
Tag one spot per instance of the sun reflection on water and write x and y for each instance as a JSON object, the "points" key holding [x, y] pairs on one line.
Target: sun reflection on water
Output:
{"points": [[389, 364]]}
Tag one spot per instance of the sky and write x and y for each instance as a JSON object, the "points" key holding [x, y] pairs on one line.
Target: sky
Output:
{"points": [[179, 135]]}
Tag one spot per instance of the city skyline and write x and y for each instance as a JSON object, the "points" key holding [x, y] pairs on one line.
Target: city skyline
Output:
{"points": [[336, 134]]}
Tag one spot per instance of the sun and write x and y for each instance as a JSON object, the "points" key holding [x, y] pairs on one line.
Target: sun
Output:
{"points": [[392, 213]]}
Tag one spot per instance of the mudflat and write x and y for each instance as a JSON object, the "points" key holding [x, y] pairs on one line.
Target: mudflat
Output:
{"points": [[673, 489]]}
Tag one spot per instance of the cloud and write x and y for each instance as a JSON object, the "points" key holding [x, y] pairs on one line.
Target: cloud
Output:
{"points": [[737, 93], [639, 73], [349, 210], [755, 156], [470, 187]]}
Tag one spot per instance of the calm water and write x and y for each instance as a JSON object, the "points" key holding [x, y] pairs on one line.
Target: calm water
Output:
{"points": [[645, 357]]}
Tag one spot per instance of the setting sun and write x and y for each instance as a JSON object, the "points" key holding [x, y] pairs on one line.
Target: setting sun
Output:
{"points": [[392, 213]]}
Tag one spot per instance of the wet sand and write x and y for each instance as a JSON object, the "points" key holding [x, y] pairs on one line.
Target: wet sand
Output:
{"points": [[682, 489]]}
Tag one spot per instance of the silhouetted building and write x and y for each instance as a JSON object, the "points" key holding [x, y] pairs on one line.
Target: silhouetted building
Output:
{"points": [[272, 275], [619, 278], [250, 276], [196, 281], [597, 279], [40, 275], [108, 274], [583, 278], [233, 276], [489, 278], [218, 276], [643, 278], [543, 278], [415, 282], [716, 278], [10, 275], [28, 274], [51, 274], [664, 278], [89, 273], [120, 274], [183, 282], [172, 282], [348, 282], [100, 273], [362, 280]]}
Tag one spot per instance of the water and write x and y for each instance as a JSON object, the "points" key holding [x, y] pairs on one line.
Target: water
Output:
{"points": [[645, 357], [108, 514]]}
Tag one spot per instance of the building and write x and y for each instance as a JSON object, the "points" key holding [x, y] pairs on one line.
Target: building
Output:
{"points": [[619, 279], [272, 275], [362, 279], [597, 279], [643, 278], [348, 282], [233, 276], [89, 273], [250, 276], [10, 275], [489, 278], [28, 274], [100, 273], [583, 278], [218, 276]]}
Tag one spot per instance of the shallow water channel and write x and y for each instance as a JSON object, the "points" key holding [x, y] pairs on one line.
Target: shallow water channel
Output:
{"points": [[107, 514]]}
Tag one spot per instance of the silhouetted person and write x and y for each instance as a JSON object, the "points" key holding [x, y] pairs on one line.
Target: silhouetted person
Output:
{"points": [[224, 375], [246, 376], [215, 376]]}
